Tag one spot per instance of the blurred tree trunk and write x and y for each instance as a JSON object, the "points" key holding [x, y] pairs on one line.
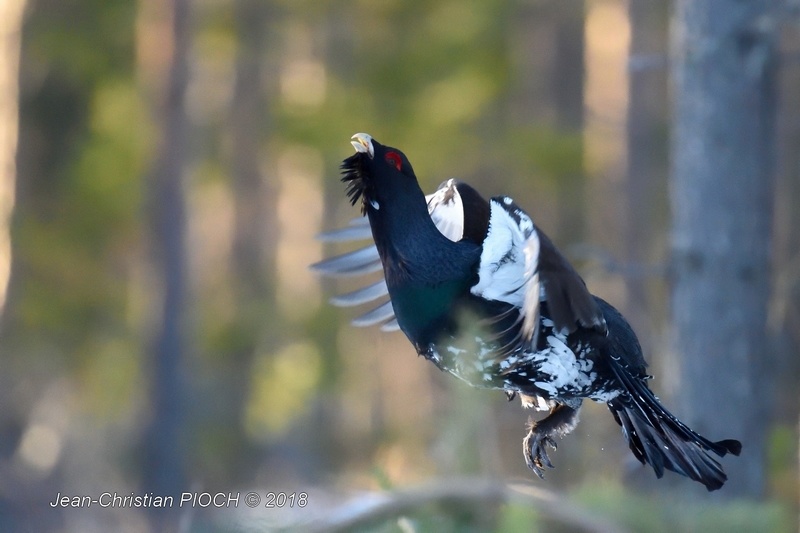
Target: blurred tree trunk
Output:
{"points": [[722, 204], [568, 72], [255, 225], [10, 43], [164, 447], [550, 95], [255, 196], [646, 159], [784, 316], [12, 513]]}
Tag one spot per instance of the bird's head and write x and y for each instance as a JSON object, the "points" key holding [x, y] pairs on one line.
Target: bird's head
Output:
{"points": [[376, 173]]}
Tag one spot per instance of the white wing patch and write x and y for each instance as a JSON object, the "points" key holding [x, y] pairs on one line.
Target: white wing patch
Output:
{"points": [[509, 265]]}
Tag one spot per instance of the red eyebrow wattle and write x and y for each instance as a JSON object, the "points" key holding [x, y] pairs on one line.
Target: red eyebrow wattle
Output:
{"points": [[394, 158]]}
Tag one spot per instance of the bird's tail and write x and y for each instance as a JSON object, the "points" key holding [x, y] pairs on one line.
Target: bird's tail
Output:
{"points": [[658, 438]]}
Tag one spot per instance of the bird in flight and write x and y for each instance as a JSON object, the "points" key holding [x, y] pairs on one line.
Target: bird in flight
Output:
{"points": [[484, 294]]}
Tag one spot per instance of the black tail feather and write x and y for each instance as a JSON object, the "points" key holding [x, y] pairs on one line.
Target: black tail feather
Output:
{"points": [[656, 437]]}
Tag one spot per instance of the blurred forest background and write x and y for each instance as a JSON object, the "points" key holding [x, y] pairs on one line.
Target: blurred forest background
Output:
{"points": [[161, 331]]}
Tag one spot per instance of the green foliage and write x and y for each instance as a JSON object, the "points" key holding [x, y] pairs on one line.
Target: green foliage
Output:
{"points": [[515, 517], [782, 463], [280, 389], [88, 39], [77, 237], [673, 513], [554, 156], [428, 76], [111, 380], [78, 227]]}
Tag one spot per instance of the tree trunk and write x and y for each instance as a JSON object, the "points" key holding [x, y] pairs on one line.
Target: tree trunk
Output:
{"points": [[10, 42], [722, 204], [646, 159], [14, 514], [164, 461], [255, 228], [568, 72], [254, 196], [549, 97]]}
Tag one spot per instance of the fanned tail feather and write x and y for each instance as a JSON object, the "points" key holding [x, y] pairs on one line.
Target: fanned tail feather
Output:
{"points": [[656, 437]]}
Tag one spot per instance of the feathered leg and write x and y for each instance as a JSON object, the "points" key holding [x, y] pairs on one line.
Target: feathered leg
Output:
{"points": [[561, 420]]}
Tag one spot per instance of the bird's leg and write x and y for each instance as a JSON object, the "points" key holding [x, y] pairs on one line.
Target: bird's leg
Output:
{"points": [[561, 420]]}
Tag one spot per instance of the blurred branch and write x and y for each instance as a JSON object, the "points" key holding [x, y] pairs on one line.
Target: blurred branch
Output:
{"points": [[466, 494]]}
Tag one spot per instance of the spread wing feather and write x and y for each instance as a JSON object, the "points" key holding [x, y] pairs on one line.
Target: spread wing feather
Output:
{"points": [[355, 263], [379, 315], [361, 296], [357, 230]]}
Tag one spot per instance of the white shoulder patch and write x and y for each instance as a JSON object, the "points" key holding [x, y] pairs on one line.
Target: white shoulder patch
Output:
{"points": [[447, 210]]}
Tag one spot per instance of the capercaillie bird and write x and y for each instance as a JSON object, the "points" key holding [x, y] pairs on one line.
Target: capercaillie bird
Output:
{"points": [[484, 294]]}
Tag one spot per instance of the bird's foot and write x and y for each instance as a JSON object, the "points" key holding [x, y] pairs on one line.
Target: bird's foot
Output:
{"points": [[534, 447], [561, 420]]}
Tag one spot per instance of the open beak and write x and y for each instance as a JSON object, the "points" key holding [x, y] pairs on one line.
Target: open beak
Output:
{"points": [[362, 142]]}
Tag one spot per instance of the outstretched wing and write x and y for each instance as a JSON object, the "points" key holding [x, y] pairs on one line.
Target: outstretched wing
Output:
{"points": [[569, 302], [446, 208], [521, 267]]}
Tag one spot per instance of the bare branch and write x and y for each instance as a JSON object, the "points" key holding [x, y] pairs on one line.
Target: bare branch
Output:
{"points": [[458, 494]]}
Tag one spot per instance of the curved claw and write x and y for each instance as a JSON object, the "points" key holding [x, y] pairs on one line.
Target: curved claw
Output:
{"points": [[535, 451]]}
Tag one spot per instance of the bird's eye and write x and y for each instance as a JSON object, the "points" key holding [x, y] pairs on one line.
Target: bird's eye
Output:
{"points": [[394, 159]]}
